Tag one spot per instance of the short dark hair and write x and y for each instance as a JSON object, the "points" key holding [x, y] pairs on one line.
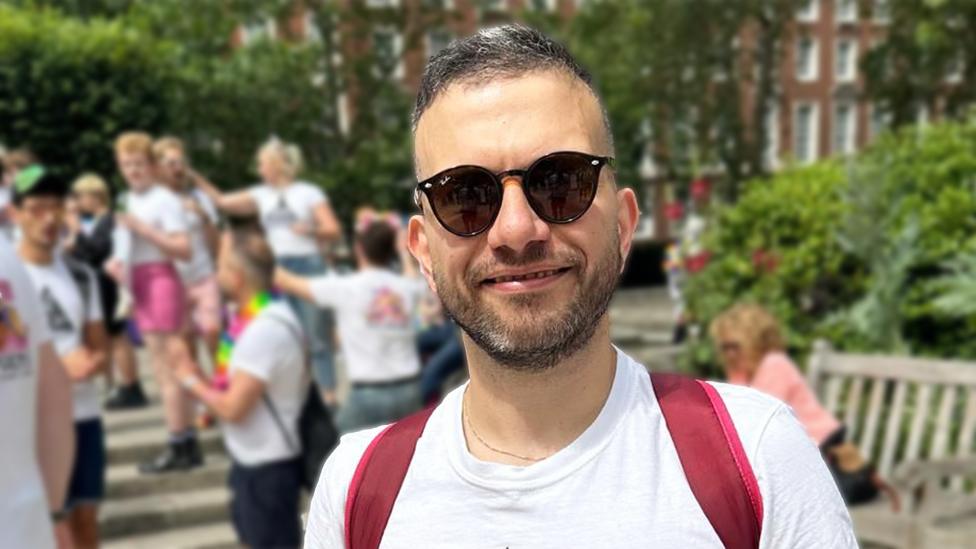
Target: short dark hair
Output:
{"points": [[36, 181], [497, 52], [378, 243], [253, 253]]}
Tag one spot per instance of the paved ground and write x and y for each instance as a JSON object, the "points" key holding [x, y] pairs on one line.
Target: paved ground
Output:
{"points": [[189, 510]]}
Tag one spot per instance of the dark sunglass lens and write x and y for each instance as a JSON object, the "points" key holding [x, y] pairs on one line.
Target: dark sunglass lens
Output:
{"points": [[561, 186], [465, 200]]}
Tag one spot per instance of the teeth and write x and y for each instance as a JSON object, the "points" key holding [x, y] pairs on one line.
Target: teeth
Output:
{"points": [[530, 276]]}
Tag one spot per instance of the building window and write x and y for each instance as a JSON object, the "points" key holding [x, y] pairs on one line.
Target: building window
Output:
{"points": [[771, 152], [956, 69], [846, 11], [445, 5], [542, 5], [259, 29], [809, 11], [805, 133], [845, 128], [882, 11], [806, 59], [493, 5], [381, 3], [880, 121], [387, 47], [845, 62], [437, 40], [310, 30]]}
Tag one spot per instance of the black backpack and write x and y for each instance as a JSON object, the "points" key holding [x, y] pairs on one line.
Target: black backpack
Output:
{"points": [[316, 431]]}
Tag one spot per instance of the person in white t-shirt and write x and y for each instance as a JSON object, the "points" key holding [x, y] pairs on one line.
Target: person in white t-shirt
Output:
{"points": [[155, 219], [268, 384], [37, 431], [203, 294], [374, 312], [297, 217], [68, 292], [558, 439]]}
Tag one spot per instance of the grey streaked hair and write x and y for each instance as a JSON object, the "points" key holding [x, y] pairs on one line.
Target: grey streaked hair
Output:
{"points": [[498, 52]]}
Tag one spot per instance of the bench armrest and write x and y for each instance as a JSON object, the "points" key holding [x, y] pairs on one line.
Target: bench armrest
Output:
{"points": [[912, 474], [917, 483]]}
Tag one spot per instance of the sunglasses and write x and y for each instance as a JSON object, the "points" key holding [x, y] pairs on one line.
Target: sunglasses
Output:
{"points": [[559, 188]]}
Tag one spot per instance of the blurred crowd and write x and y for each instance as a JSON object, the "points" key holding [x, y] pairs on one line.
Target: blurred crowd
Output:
{"points": [[240, 302]]}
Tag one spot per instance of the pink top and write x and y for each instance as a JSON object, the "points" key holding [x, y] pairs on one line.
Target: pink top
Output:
{"points": [[779, 377]]}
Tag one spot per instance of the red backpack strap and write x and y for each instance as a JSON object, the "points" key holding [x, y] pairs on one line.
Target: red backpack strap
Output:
{"points": [[712, 457], [376, 483]]}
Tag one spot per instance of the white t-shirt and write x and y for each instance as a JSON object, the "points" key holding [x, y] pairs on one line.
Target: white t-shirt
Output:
{"points": [[160, 208], [67, 313], [374, 312], [281, 208], [201, 265], [270, 349], [24, 519], [619, 484]]}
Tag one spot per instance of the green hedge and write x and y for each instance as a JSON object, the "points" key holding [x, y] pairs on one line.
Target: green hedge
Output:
{"points": [[68, 88], [873, 253]]}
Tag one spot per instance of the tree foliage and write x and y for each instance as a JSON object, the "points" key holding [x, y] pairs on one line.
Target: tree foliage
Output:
{"points": [[68, 88], [688, 83], [927, 59], [873, 254]]}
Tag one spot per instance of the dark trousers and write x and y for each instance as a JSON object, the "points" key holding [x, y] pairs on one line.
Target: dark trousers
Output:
{"points": [[264, 508]]}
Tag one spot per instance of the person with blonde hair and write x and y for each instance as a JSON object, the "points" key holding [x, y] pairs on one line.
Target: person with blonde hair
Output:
{"points": [[297, 217], [752, 351], [90, 241], [159, 237]]}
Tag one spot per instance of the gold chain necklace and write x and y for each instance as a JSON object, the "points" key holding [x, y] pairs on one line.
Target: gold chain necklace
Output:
{"points": [[467, 421]]}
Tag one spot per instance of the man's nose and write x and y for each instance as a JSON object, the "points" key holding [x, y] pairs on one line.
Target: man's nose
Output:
{"points": [[517, 225]]}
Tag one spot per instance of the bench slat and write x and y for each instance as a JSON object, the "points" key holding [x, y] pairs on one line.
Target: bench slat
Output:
{"points": [[923, 398], [870, 431], [940, 441], [916, 370], [964, 446], [852, 412], [892, 430], [832, 401]]}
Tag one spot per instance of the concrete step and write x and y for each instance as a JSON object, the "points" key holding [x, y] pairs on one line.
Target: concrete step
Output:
{"points": [[142, 444], [125, 480], [207, 536], [157, 512]]}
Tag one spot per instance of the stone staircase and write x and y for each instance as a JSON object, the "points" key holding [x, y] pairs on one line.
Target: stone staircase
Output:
{"points": [[169, 511], [190, 510]]}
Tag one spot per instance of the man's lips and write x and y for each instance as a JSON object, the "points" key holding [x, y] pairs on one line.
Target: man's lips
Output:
{"points": [[524, 279]]}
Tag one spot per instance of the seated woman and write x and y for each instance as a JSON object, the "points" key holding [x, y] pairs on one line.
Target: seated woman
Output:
{"points": [[752, 352]]}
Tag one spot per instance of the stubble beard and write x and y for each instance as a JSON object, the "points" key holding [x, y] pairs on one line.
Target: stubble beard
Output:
{"points": [[534, 335]]}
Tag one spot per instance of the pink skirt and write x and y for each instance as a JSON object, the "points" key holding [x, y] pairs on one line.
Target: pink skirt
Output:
{"points": [[160, 299]]}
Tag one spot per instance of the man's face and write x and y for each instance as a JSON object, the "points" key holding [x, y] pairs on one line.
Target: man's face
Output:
{"points": [[136, 169], [40, 219], [172, 166], [526, 324]]}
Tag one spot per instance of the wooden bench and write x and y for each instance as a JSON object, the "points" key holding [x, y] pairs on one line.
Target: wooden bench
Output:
{"points": [[916, 420]]}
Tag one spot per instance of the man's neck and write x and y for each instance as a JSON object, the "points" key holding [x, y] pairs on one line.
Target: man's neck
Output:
{"points": [[243, 297], [35, 255], [536, 414]]}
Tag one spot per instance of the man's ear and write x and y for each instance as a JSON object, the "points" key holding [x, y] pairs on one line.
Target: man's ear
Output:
{"points": [[628, 215], [419, 248]]}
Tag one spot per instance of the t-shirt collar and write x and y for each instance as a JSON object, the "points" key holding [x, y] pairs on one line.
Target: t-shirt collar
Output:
{"points": [[588, 445]]}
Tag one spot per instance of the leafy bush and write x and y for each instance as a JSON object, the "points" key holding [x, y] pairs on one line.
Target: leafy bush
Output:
{"points": [[870, 253], [68, 88]]}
